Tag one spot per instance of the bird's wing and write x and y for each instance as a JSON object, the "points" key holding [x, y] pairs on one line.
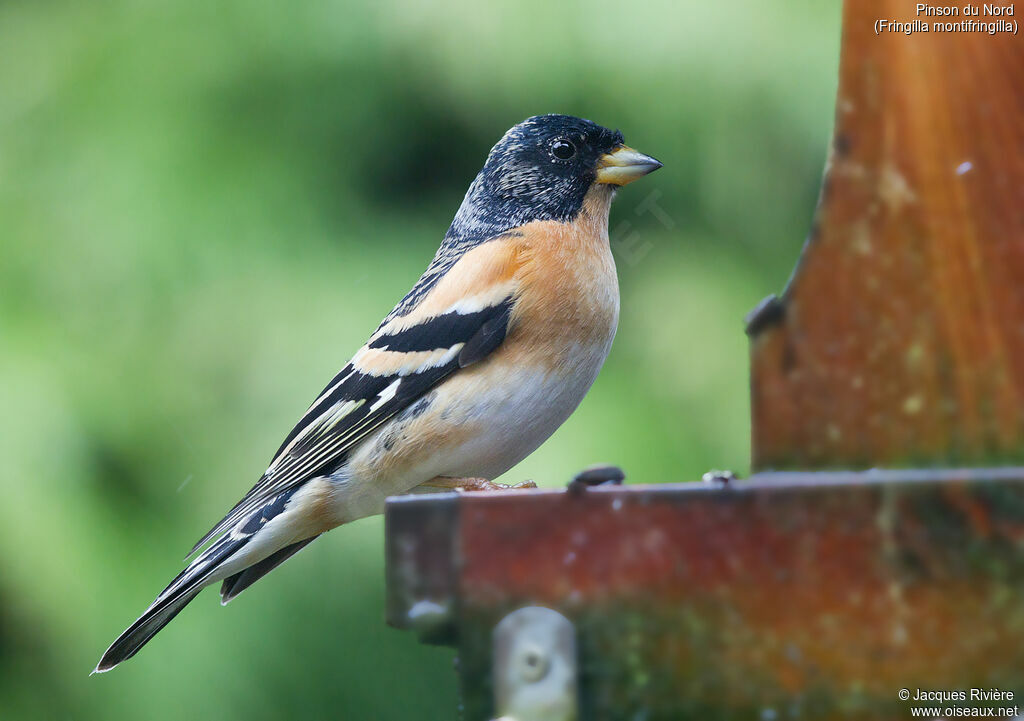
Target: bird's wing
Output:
{"points": [[451, 319]]}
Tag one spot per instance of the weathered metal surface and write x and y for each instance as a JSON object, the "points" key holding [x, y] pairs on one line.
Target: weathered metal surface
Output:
{"points": [[786, 596], [900, 339], [422, 554]]}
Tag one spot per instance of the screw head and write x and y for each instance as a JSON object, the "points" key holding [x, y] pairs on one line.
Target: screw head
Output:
{"points": [[533, 663]]}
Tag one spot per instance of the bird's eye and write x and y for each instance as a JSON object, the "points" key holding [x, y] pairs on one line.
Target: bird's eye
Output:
{"points": [[562, 149]]}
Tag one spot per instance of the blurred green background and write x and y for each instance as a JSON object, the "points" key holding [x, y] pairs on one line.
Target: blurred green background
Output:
{"points": [[205, 207]]}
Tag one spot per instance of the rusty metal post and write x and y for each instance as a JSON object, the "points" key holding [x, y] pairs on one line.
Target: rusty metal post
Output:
{"points": [[900, 339]]}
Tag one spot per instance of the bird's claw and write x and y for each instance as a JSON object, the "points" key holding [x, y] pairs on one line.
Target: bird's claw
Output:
{"points": [[474, 485]]}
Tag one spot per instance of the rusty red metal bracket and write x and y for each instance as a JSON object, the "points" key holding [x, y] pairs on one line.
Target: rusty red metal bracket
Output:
{"points": [[786, 596]]}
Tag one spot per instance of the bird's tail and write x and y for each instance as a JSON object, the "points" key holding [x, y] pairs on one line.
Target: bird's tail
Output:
{"points": [[242, 555], [171, 600]]}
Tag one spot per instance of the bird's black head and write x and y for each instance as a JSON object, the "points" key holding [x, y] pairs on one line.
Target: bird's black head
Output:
{"points": [[541, 170]]}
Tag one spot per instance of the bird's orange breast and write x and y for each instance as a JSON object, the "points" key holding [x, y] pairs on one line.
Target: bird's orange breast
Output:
{"points": [[567, 290]]}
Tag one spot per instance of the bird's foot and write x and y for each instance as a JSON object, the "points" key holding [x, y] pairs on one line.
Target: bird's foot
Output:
{"points": [[482, 484], [442, 483]]}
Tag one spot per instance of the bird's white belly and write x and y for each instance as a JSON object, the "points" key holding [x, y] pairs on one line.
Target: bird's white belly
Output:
{"points": [[472, 427], [513, 420]]}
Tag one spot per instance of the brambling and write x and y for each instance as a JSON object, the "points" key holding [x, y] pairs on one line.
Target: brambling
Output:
{"points": [[489, 353]]}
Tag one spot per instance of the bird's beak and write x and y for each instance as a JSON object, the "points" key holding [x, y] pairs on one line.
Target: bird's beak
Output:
{"points": [[624, 165]]}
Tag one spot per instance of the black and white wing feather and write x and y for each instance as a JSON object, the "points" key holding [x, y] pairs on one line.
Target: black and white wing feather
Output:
{"points": [[407, 356]]}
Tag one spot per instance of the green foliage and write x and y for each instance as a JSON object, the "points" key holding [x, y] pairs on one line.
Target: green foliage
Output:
{"points": [[206, 207]]}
